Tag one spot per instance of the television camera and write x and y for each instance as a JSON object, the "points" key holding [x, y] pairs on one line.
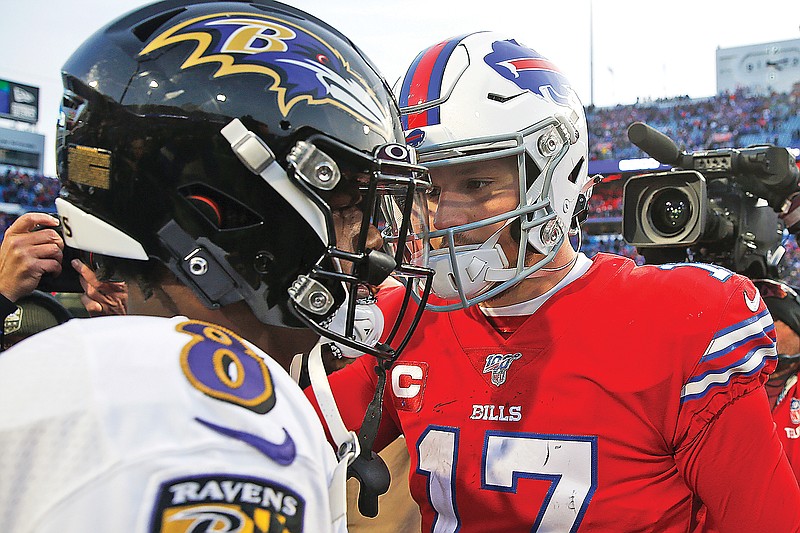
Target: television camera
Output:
{"points": [[715, 206]]}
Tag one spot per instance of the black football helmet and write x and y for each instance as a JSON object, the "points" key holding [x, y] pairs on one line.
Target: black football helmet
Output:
{"points": [[219, 138]]}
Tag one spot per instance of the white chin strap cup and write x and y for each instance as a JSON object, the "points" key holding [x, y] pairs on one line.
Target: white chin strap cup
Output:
{"points": [[479, 267], [368, 325]]}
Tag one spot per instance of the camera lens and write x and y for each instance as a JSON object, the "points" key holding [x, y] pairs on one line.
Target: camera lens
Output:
{"points": [[670, 210]]}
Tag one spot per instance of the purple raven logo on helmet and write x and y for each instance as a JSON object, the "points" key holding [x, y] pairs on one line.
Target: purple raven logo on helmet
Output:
{"points": [[301, 65], [529, 70]]}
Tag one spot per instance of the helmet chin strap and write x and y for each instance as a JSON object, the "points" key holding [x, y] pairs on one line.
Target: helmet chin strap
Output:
{"points": [[545, 271], [348, 446], [478, 267], [354, 451]]}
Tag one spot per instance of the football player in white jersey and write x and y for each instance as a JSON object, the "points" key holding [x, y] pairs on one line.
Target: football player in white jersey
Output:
{"points": [[230, 162]]}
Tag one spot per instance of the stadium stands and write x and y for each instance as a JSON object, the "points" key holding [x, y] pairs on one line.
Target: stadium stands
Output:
{"points": [[728, 120], [22, 191]]}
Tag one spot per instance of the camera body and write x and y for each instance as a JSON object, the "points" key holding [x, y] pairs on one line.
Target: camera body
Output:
{"points": [[68, 280], [681, 216], [715, 206]]}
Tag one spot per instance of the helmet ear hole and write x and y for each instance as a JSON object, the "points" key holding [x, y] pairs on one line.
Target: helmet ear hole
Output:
{"points": [[218, 209], [573, 176], [207, 207]]}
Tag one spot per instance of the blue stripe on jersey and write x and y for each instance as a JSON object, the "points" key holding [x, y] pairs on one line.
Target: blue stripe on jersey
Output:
{"points": [[755, 330], [749, 330], [750, 364], [739, 325]]}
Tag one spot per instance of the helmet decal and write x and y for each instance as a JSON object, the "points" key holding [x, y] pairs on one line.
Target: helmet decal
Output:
{"points": [[529, 70], [415, 138], [423, 83], [252, 43]]}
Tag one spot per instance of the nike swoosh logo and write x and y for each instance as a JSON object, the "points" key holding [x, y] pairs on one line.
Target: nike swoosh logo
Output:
{"points": [[752, 305], [283, 453]]}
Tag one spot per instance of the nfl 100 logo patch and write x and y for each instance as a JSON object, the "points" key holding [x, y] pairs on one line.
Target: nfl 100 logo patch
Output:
{"points": [[498, 364]]}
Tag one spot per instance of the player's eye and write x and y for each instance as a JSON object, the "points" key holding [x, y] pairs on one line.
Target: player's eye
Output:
{"points": [[477, 184]]}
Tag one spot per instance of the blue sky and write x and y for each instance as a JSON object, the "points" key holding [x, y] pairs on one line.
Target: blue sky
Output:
{"points": [[640, 49]]}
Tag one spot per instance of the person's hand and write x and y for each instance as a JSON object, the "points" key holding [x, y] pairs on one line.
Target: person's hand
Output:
{"points": [[101, 297], [27, 253]]}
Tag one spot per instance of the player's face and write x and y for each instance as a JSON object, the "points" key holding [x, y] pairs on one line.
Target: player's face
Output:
{"points": [[471, 192], [345, 204]]}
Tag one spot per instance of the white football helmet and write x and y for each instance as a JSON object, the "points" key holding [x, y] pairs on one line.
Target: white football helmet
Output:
{"points": [[484, 96]]}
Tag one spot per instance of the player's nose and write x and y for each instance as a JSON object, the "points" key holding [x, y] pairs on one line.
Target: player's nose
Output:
{"points": [[450, 211]]}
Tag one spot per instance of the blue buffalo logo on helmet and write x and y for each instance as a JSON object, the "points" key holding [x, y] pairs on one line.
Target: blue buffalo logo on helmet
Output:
{"points": [[302, 66], [415, 138], [529, 70]]}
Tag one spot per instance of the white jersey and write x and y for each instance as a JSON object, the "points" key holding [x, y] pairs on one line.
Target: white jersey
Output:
{"points": [[143, 424]]}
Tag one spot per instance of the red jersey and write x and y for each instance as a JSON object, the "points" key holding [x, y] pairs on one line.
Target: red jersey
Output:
{"points": [[787, 422], [628, 392]]}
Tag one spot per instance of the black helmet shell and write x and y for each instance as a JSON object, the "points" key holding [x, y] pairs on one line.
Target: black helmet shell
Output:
{"points": [[139, 142]]}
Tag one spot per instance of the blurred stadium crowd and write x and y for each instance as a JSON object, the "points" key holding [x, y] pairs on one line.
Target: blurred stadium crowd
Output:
{"points": [[29, 191], [728, 120]]}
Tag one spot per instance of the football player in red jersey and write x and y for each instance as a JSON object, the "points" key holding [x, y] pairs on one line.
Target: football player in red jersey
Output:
{"points": [[558, 392]]}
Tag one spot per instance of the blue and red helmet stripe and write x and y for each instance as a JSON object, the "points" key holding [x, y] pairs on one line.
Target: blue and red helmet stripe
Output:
{"points": [[423, 83]]}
